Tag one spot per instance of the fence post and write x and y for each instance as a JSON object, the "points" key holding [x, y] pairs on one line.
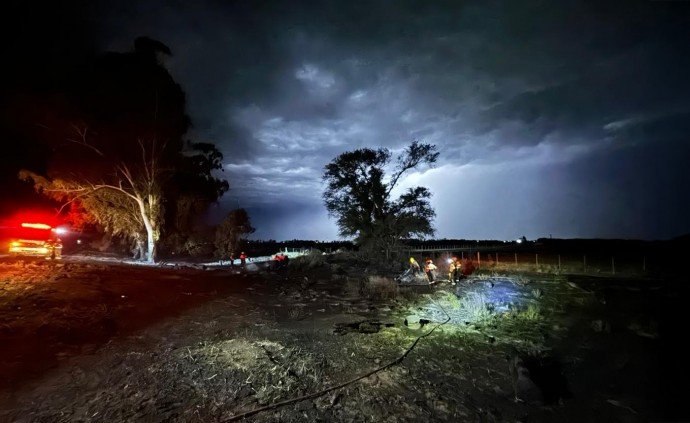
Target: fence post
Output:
{"points": [[644, 264], [613, 266], [479, 260], [496, 258], [559, 262], [536, 259], [584, 259], [516, 259]]}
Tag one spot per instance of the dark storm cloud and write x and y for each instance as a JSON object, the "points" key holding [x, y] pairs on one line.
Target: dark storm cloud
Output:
{"points": [[504, 88]]}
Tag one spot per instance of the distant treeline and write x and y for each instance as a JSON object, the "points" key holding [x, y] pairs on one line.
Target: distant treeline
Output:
{"points": [[541, 245], [270, 247]]}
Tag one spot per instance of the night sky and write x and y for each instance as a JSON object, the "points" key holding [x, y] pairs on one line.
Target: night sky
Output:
{"points": [[553, 118]]}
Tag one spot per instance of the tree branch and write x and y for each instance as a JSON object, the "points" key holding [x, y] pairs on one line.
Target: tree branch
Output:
{"points": [[413, 156], [83, 142], [93, 189]]}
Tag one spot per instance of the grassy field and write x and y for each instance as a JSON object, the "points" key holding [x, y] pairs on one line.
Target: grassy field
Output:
{"points": [[202, 346]]}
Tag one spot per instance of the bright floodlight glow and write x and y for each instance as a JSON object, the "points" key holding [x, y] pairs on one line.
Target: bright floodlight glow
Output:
{"points": [[60, 231], [450, 260], [519, 241]]}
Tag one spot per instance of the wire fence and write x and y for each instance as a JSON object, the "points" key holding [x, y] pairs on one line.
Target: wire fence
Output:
{"points": [[535, 258], [584, 263], [592, 263]]}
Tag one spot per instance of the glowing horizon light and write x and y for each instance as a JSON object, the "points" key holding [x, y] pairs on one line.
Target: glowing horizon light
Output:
{"points": [[60, 231], [36, 225]]}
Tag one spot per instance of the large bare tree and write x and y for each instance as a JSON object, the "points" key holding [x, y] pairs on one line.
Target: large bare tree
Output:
{"points": [[125, 200], [116, 142]]}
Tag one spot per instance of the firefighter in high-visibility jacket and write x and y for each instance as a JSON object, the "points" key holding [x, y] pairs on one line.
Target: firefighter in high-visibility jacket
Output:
{"points": [[454, 269], [414, 266], [430, 267]]}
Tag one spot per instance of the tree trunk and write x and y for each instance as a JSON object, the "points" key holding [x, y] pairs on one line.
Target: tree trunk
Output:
{"points": [[151, 243], [139, 250]]}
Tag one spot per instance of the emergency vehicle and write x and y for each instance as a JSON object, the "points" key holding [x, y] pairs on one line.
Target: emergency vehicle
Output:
{"points": [[35, 239]]}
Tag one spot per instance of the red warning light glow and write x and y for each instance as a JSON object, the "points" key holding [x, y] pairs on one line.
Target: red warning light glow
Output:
{"points": [[36, 225]]}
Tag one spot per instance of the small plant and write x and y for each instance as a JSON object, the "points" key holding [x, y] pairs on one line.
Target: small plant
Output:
{"points": [[537, 293], [453, 301], [296, 313], [521, 280], [533, 312], [477, 306]]}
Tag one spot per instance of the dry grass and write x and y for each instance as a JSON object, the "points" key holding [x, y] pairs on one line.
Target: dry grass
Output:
{"points": [[477, 306], [314, 259], [379, 288], [533, 312], [451, 301]]}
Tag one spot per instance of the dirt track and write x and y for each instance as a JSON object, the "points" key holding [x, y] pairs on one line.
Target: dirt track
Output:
{"points": [[98, 342], [54, 310]]}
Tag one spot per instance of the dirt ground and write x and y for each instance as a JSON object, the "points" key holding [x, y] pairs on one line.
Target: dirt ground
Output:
{"points": [[92, 342]]}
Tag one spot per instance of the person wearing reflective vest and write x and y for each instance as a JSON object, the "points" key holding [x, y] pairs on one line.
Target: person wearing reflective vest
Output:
{"points": [[414, 266], [430, 267], [458, 269], [452, 270]]}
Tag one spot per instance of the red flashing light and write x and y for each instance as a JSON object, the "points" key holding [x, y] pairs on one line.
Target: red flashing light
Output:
{"points": [[36, 225]]}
